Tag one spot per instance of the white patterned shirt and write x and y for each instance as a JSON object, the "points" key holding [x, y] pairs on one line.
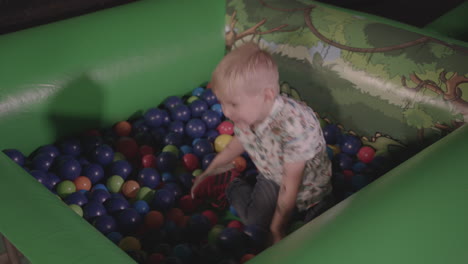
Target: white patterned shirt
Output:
{"points": [[290, 133]]}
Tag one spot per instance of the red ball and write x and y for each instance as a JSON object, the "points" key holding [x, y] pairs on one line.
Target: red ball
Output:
{"points": [[145, 150], [348, 174], [212, 217], [155, 258], [176, 215], [127, 146], [226, 127], [123, 129], [190, 162], [366, 154], [246, 258], [154, 219], [236, 224], [240, 163], [189, 205], [148, 161]]}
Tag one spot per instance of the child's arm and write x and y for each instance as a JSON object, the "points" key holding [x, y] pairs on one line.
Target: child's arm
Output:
{"points": [[292, 178], [221, 162]]}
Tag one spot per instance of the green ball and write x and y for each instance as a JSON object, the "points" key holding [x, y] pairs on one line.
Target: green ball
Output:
{"points": [[65, 188], [191, 99], [197, 172], [118, 156], [77, 209], [146, 194], [214, 234], [171, 148], [114, 183]]}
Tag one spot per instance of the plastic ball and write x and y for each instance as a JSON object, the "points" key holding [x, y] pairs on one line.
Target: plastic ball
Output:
{"points": [[166, 161], [176, 215], [191, 99], [359, 167], [198, 227], [331, 134], [114, 237], [202, 147], [130, 243], [130, 188], [221, 142], [183, 252], [366, 154], [211, 119], [257, 237], [246, 258], [82, 183], [70, 147], [65, 188], [211, 135], [232, 210], [120, 167], [53, 180], [171, 148], [178, 127], [52, 150], [212, 216], [99, 186], [114, 183], [209, 97], [40, 176], [350, 144], [172, 101], [146, 194], [226, 128], [190, 162], [185, 149], [154, 117], [240, 163], [195, 128], [105, 224], [187, 204], [93, 209], [77, 198], [145, 150], [181, 112], [142, 207], [77, 209], [123, 129], [154, 219], [231, 239], [163, 200], [127, 146], [197, 107], [128, 220], [174, 188], [198, 91], [69, 169], [236, 224], [42, 161], [345, 162], [206, 160], [173, 138], [218, 109], [115, 205], [149, 177], [99, 195], [102, 155], [148, 161]]}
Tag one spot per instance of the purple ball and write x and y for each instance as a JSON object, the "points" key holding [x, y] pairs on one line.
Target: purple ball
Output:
{"points": [[172, 101], [94, 172], [202, 147], [149, 177], [211, 119], [105, 224], [70, 147], [93, 209], [128, 220], [209, 97], [42, 161], [69, 169], [121, 168], [166, 161], [231, 239], [40, 176], [345, 162], [154, 117], [331, 133], [195, 128], [181, 113], [207, 159], [116, 205], [163, 200], [173, 138], [102, 154], [350, 144], [198, 107], [99, 195], [177, 127], [15, 155], [77, 198], [52, 150], [211, 134]]}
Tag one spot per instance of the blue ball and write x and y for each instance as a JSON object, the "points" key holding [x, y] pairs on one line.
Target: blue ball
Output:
{"points": [[140, 126], [102, 155], [198, 91], [195, 128], [331, 133], [173, 138], [177, 127], [168, 177], [69, 169], [128, 220], [350, 144], [141, 206], [89, 143], [99, 186], [53, 179], [345, 162], [183, 252], [211, 135], [174, 188], [186, 179], [233, 211], [209, 97], [99, 195], [42, 161], [211, 119], [198, 226], [198, 107], [207, 159], [52, 150], [40, 176], [231, 239], [70, 147], [115, 237], [202, 147], [218, 109], [257, 237], [77, 198], [15, 155], [185, 149], [83, 161], [94, 172], [105, 224], [163, 200], [166, 161], [359, 167], [149, 177], [154, 117], [181, 113], [121, 168], [116, 205], [93, 209], [172, 101]]}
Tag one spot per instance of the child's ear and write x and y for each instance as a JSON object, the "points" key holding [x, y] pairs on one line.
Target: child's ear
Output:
{"points": [[269, 94]]}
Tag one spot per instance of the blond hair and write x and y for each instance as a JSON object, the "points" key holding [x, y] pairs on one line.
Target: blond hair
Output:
{"points": [[247, 68]]}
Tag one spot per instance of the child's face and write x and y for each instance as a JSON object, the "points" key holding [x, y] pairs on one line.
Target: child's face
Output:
{"points": [[244, 110]]}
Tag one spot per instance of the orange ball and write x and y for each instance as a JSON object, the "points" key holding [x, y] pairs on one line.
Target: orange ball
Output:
{"points": [[82, 183], [154, 219], [176, 215], [123, 129], [127, 146], [240, 163], [246, 258], [130, 188]]}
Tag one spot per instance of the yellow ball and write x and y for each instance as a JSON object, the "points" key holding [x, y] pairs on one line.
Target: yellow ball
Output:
{"points": [[221, 142], [129, 243], [336, 149]]}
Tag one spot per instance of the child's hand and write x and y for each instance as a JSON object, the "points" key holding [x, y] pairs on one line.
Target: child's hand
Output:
{"points": [[197, 181]]}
